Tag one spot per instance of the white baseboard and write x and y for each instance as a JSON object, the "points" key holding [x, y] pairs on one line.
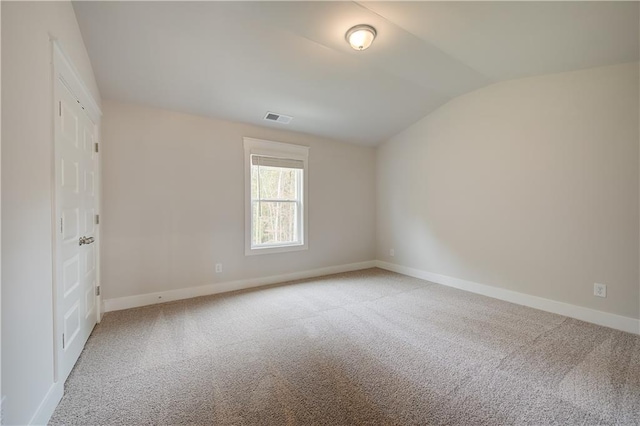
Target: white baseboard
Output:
{"points": [[606, 319], [205, 290], [48, 405]]}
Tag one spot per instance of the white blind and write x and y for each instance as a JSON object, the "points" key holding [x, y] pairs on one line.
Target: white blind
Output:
{"points": [[288, 163]]}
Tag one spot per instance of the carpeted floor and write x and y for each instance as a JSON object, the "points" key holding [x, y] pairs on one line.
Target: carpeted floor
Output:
{"points": [[367, 347]]}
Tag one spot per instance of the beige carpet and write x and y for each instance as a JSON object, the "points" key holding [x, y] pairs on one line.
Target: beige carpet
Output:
{"points": [[369, 347]]}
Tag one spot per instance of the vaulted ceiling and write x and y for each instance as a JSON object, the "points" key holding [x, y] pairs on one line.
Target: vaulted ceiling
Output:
{"points": [[238, 60]]}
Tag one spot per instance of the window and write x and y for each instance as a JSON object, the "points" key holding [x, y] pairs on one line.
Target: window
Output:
{"points": [[275, 194]]}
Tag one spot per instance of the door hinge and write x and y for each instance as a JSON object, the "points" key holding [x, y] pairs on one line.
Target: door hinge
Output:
{"points": [[60, 108], [62, 340], [61, 228], [98, 291], [97, 219], [97, 149]]}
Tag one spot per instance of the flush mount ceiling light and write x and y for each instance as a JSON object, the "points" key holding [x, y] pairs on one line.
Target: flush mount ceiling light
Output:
{"points": [[360, 37]]}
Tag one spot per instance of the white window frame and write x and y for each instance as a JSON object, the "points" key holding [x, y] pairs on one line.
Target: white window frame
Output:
{"points": [[281, 150]]}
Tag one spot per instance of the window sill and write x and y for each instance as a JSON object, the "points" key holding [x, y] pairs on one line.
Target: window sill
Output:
{"points": [[274, 249]]}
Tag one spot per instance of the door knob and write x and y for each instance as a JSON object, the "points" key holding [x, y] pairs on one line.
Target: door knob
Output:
{"points": [[86, 240]]}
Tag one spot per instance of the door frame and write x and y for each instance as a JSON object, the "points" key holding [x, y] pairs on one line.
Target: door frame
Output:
{"points": [[64, 71]]}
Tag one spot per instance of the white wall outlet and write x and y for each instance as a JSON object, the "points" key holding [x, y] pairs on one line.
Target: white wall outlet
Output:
{"points": [[218, 268], [599, 290], [2, 410], [392, 252]]}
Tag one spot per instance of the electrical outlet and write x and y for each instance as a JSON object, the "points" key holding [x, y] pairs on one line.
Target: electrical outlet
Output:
{"points": [[392, 252], [2, 410], [218, 268], [599, 290]]}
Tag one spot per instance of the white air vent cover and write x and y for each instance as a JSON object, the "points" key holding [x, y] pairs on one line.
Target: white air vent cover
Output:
{"points": [[278, 118]]}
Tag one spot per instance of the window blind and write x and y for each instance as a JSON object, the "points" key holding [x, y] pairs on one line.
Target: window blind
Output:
{"points": [[288, 163]]}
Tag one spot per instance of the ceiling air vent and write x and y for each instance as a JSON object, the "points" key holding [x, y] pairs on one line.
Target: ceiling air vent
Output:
{"points": [[278, 118]]}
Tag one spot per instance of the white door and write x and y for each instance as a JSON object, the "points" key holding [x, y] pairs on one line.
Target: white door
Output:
{"points": [[76, 168]]}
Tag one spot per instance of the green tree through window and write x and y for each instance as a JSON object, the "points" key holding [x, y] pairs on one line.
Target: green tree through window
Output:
{"points": [[275, 204]]}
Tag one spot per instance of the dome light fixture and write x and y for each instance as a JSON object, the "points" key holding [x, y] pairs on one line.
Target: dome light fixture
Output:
{"points": [[360, 37]]}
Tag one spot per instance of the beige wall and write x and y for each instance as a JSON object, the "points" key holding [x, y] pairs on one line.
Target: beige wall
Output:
{"points": [[27, 143], [530, 185], [173, 191]]}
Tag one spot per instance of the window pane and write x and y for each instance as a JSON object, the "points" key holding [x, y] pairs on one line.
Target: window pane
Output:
{"points": [[254, 182], [274, 183], [274, 223]]}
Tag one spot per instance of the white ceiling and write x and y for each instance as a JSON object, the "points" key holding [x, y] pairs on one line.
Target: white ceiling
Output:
{"points": [[239, 60]]}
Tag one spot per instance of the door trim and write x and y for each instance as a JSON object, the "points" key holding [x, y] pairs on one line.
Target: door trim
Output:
{"points": [[64, 70]]}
